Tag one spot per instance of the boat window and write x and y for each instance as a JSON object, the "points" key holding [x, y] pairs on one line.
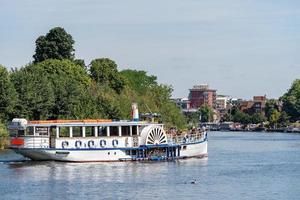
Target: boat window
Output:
{"points": [[77, 131], [125, 130], [53, 131], [102, 130], [21, 132], [29, 130], [133, 152], [134, 130], [63, 131], [127, 152], [114, 131], [13, 133], [89, 131]]}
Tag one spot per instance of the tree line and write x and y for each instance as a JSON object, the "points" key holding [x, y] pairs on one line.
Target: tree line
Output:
{"points": [[58, 86]]}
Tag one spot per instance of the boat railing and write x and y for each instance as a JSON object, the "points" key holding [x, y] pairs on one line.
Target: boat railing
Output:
{"points": [[185, 138], [36, 142]]}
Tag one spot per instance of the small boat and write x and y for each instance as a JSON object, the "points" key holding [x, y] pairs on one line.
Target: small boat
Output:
{"points": [[93, 140]]}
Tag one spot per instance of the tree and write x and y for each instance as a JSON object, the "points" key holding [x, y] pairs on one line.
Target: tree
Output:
{"points": [[274, 118], [139, 80], [206, 113], [271, 106], [3, 136], [56, 44], [104, 71], [52, 89], [8, 95], [291, 101], [284, 119]]}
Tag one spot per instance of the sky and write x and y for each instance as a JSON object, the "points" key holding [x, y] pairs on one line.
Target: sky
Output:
{"points": [[241, 48]]}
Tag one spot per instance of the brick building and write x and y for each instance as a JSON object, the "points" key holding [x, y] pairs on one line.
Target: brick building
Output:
{"points": [[200, 95], [257, 105]]}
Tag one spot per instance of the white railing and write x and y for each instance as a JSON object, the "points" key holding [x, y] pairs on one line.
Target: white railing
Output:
{"points": [[185, 138], [36, 142]]}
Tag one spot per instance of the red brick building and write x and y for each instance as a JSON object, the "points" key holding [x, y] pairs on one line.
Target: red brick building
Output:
{"points": [[200, 95], [257, 105]]}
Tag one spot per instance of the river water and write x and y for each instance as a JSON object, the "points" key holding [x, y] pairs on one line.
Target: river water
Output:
{"points": [[239, 166]]}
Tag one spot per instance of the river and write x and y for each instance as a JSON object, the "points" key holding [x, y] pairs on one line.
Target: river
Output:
{"points": [[240, 165]]}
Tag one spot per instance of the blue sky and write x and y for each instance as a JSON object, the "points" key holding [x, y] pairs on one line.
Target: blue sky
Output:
{"points": [[239, 47]]}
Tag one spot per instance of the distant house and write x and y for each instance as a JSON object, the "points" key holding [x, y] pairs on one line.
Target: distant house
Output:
{"points": [[257, 105], [182, 103]]}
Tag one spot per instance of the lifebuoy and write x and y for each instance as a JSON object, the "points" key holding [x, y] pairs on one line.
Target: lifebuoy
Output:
{"points": [[102, 143], [91, 143], [115, 142], [64, 144], [78, 144]]}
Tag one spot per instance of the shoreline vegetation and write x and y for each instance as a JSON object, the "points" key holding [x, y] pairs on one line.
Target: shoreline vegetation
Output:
{"points": [[56, 85]]}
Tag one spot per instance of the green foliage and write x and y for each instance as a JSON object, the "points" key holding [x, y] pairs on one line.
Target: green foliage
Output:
{"points": [[8, 95], [57, 44], [192, 118], [257, 118], [284, 119], [139, 80], [271, 106], [153, 97], [291, 101], [50, 89], [241, 117], [4, 139], [104, 71], [206, 113], [274, 117]]}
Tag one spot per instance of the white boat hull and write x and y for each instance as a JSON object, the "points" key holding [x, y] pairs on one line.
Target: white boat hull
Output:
{"points": [[97, 155]]}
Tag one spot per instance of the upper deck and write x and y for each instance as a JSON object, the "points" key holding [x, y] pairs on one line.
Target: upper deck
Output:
{"points": [[77, 128]]}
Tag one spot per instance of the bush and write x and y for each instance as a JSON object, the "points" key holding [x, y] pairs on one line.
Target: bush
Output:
{"points": [[4, 137]]}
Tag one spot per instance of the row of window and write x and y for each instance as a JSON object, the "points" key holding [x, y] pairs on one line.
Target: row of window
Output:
{"points": [[79, 131]]}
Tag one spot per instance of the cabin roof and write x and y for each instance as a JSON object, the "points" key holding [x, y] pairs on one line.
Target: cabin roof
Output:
{"points": [[97, 122]]}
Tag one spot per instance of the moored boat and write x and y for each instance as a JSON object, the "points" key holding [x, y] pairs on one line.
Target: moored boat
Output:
{"points": [[94, 140]]}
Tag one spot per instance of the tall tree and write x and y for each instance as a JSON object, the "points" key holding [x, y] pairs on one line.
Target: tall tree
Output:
{"points": [[139, 80], [52, 89], [56, 44], [291, 101], [104, 71], [7, 95], [206, 113]]}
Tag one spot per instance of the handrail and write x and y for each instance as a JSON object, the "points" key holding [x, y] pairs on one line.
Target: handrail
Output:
{"points": [[186, 138], [68, 121]]}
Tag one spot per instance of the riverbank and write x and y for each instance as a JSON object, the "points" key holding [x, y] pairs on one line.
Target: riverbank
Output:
{"points": [[231, 126]]}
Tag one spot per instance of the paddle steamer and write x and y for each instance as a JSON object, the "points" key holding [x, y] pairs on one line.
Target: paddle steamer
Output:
{"points": [[94, 140]]}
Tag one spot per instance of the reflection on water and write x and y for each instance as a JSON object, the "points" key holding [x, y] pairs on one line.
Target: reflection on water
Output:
{"points": [[239, 166]]}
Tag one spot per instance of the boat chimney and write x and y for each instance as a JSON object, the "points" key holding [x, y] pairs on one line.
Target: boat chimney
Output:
{"points": [[134, 112]]}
